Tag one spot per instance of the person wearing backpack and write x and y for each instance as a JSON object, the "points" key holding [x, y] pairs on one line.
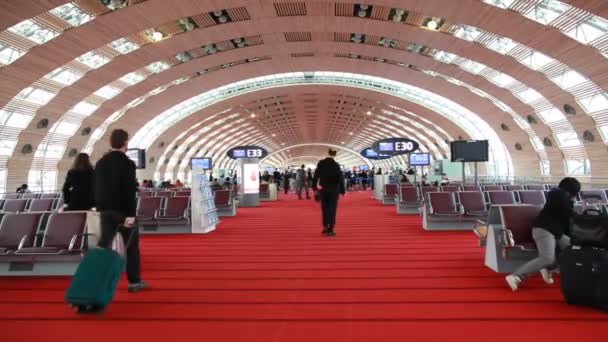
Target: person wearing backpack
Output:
{"points": [[550, 230]]}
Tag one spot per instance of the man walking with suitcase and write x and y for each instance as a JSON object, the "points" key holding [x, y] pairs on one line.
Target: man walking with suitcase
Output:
{"points": [[115, 198], [329, 175]]}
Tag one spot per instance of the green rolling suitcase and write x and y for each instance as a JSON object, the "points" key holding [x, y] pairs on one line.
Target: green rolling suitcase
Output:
{"points": [[95, 280]]}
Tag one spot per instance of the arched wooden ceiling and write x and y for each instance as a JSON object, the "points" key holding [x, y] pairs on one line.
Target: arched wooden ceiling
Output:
{"points": [[557, 56]]}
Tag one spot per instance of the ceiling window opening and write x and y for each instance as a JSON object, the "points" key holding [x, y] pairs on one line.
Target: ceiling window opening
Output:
{"points": [[14, 120], [536, 60], [466, 32], [551, 115], [33, 31], [107, 92], [158, 67], [567, 139], [569, 79], [500, 3], [71, 14], [9, 54], [578, 167], [35, 95], [547, 11], [124, 46], [84, 108], [132, 78], [589, 30], [63, 76], [594, 103], [501, 45], [92, 60], [529, 95]]}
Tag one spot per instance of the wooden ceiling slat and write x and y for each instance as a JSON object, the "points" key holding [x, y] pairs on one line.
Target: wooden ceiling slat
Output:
{"points": [[15, 40]]}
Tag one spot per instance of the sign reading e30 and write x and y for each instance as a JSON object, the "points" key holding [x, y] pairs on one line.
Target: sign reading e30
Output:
{"points": [[395, 146]]}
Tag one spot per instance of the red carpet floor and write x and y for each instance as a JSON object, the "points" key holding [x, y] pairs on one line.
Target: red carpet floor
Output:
{"points": [[268, 275]]}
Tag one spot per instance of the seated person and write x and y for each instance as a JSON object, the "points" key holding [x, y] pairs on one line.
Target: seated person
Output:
{"points": [[550, 230], [424, 182], [444, 179]]}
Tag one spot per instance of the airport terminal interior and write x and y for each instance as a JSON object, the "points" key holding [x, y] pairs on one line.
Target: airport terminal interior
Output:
{"points": [[451, 121]]}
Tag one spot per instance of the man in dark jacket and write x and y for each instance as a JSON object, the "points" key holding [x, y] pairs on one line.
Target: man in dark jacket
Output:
{"points": [[549, 230], [329, 175], [115, 188]]}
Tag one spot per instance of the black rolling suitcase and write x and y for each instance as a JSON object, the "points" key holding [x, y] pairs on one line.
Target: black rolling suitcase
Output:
{"points": [[584, 276]]}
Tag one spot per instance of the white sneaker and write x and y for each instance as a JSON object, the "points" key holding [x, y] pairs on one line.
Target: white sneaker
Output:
{"points": [[547, 276], [513, 281]]}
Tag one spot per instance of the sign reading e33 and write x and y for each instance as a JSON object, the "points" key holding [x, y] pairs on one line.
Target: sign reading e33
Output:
{"points": [[247, 152]]}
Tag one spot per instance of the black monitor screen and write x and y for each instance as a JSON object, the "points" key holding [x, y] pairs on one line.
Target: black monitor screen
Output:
{"points": [[138, 156], [204, 163], [472, 151], [417, 159], [239, 153], [386, 146]]}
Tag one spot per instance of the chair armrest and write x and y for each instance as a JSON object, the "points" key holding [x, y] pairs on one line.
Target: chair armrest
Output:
{"points": [[73, 240], [23, 241]]}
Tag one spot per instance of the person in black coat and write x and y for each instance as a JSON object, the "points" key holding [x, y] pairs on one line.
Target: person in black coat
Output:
{"points": [[550, 230], [78, 185], [115, 191], [329, 175]]}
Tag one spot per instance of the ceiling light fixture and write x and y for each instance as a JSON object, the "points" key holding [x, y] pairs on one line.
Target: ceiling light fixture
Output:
{"points": [[252, 115], [368, 113], [432, 24], [156, 36]]}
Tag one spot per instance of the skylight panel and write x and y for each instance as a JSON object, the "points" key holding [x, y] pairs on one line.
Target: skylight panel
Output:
{"points": [[567, 139], [445, 57], [569, 79], [132, 78], [64, 76], [35, 95], [33, 31], [604, 132], [551, 115], [529, 95], [65, 128], [466, 32], [499, 3], [501, 45], [472, 66], [92, 59], [107, 92], [9, 54], [50, 151], [158, 67], [594, 103], [124, 46], [71, 14], [536, 60], [502, 80], [547, 11], [7, 147], [578, 166], [15, 120], [84, 108], [589, 30]]}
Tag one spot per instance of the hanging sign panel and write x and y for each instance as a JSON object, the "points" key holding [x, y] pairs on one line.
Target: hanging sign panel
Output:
{"points": [[395, 146], [371, 154], [247, 152]]}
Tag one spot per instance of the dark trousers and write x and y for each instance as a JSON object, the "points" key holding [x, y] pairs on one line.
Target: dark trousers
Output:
{"points": [[111, 222], [329, 206]]}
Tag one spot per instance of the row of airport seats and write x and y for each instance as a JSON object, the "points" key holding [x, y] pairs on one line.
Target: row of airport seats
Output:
{"points": [[42, 243], [31, 205], [164, 193]]}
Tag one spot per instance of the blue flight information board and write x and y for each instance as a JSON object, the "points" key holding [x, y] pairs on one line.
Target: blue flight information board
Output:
{"points": [[420, 159]]}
